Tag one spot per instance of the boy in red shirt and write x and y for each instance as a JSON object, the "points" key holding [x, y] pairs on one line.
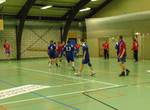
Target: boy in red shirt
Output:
{"points": [[59, 49], [106, 49], [122, 57], [77, 47], [135, 46], [7, 48]]}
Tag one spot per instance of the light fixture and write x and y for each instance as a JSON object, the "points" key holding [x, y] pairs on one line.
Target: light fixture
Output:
{"points": [[46, 7], [93, 0], [148, 71], [2, 1], [85, 9]]}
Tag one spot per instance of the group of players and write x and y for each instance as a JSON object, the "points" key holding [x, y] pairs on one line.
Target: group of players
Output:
{"points": [[56, 52], [68, 51], [121, 52]]}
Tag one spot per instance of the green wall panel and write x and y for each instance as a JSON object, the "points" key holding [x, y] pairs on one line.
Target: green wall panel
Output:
{"points": [[119, 7]]}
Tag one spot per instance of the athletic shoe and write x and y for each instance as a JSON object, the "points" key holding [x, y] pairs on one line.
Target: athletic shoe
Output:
{"points": [[77, 74], [127, 72], [122, 74], [57, 65], [92, 74]]}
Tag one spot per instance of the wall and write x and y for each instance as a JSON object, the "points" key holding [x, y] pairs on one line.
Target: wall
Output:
{"points": [[145, 47], [36, 37], [35, 41], [123, 7], [120, 7], [8, 34], [125, 25], [93, 46]]}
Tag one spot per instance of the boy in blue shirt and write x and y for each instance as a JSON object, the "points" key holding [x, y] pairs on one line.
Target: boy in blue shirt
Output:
{"points": [[85, 59], [69, 52], [52, 53]]}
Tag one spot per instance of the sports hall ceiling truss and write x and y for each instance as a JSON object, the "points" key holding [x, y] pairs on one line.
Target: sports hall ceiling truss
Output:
{"points": [[59, 11]]}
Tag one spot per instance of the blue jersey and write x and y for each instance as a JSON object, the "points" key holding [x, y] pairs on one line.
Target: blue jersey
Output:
{"points": [[69, 49], [52, 49], [85, 50]]}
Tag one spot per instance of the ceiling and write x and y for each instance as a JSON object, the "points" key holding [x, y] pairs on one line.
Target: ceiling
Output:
{"points": [[59, 9]]}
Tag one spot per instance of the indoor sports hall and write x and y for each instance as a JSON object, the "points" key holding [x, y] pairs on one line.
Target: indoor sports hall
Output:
{"points": [[74, 55]]}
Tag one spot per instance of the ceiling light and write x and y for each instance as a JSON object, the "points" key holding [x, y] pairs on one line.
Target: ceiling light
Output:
{"points": [[2, 1], [148, 71], [85, 9], [93, 0], [46, 7]]}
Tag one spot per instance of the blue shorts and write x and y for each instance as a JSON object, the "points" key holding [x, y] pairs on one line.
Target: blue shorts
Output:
{"points": [[52, 55], [58, 54], [86, 61], [122, 60], [70, 58]]}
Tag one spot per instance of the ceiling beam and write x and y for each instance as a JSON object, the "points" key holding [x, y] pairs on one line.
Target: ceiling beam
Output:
{"points": [[19, 29], [66, 14], [71, 15], [25, 9], [44, 18], [47, 18], [95, 10]]}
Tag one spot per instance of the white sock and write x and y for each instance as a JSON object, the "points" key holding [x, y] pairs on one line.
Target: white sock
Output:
{"points": [[49, 64], [72, 64], [125, 72]]}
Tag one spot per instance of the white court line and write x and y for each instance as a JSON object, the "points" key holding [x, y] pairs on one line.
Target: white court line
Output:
{"points": [[19, 90], [77, 78], [63, 85], [64, 94]]}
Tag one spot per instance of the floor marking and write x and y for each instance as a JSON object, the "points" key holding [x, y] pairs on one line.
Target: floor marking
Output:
{"points": [[108, 105], [44, 97], [77, 78], [7, 93], [63, 85], [58, 95]]}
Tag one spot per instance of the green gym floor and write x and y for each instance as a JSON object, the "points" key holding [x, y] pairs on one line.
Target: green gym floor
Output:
{"points": [[105, 91]]}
